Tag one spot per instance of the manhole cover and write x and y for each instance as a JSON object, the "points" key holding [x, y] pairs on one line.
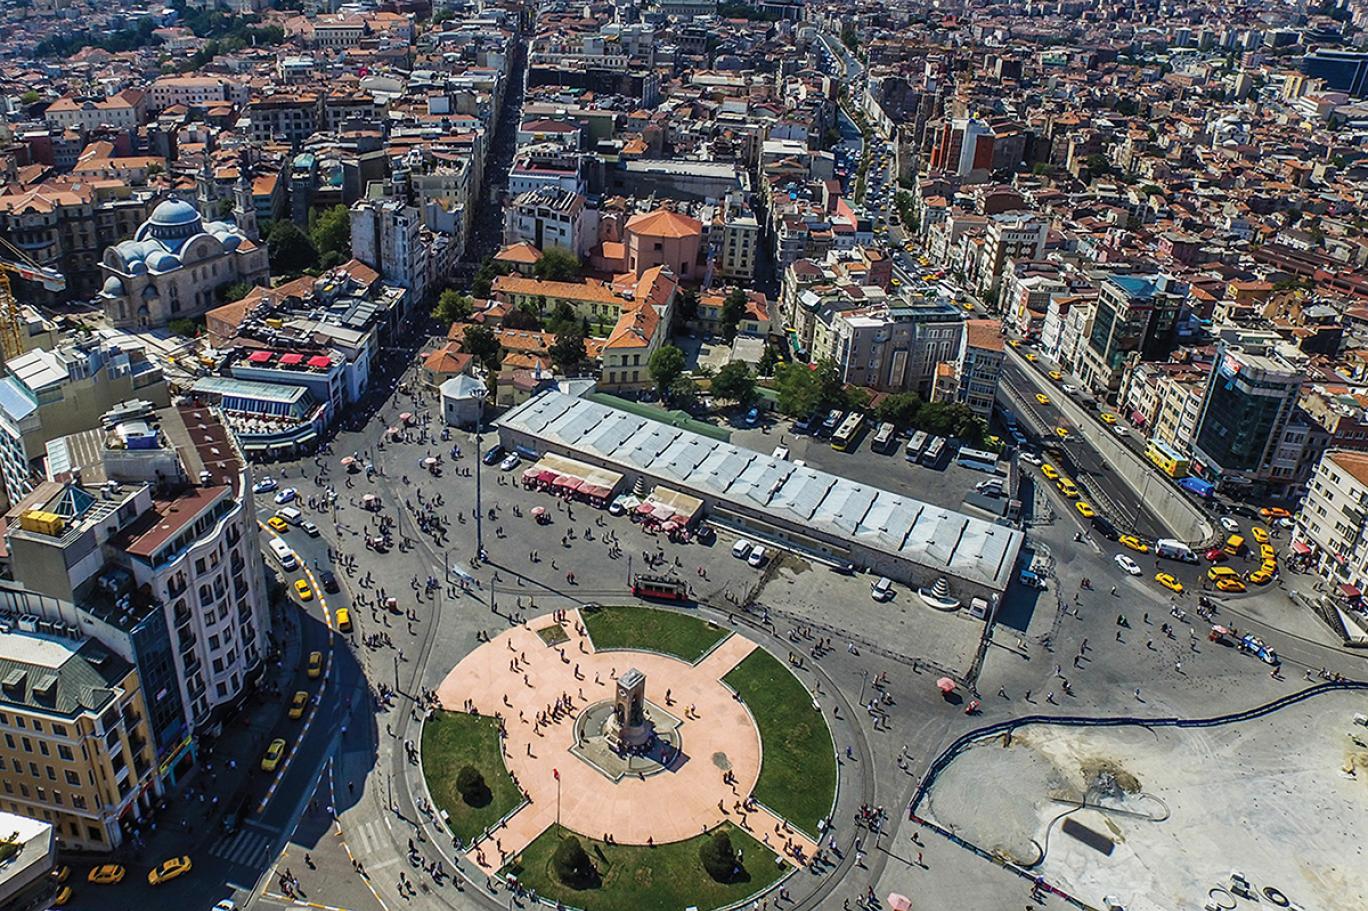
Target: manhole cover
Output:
{"points": [[721, 761]]}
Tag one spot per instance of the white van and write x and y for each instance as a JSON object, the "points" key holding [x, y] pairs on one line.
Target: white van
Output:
{"points": [[284, 555], [882, 590], [291, 515]]}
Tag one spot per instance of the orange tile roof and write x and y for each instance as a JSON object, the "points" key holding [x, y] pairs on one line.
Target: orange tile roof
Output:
{"points": [[587, 290], [518, 253], [664, 223]]}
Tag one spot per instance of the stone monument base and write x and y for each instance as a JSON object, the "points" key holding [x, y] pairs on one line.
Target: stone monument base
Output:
{"points": [[594, 745]]}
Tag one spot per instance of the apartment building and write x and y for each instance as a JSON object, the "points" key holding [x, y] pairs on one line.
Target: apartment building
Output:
{"points": [[46, 394], [66, 224], [550, 217], [1135, 319], [739, 240], [1009, 236], [146, 539], [386, 235], [286, 117], [196, 91], [1331, 531], [123, 111], [980, 365], [894, 347], [75, 744]]}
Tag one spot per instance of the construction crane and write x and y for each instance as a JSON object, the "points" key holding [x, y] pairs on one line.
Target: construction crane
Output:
{"points": [[11, 317]]}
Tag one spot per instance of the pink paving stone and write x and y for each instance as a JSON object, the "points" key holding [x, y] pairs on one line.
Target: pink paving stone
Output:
{"points": [[666, 807]]}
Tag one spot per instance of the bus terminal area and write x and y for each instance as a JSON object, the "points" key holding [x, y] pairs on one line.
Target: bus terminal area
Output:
{"points": [[945, 482], [823, 512]]}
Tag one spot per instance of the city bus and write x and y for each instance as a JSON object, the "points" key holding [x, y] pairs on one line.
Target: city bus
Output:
{"points": [[978, 459], [886, 439], [850, 428], [932, 456], [1166, 459], [916, 445]]}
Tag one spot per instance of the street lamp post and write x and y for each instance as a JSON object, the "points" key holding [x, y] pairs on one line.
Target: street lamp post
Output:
{"points": [[479, 463]]}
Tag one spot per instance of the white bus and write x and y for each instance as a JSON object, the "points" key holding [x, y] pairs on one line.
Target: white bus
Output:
{"points": [[931, 458], [886, 438], [846, 434], [916, 445]]}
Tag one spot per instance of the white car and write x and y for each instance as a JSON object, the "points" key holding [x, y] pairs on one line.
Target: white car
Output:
{"points": [[265, 485], [226, 904], [757, 556], [1069, 388], [1118, 430], [1030, 458], [1127, 564], [1230, 525], [309, 528], [511, 462], [286, 496], [741, 548]]}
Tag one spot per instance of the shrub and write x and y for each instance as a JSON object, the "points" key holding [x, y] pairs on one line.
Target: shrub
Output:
{"points": [[572, 865], [719, 858]]}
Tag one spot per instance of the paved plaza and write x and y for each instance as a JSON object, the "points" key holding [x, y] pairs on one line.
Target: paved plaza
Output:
{"points": [[520, 677]]}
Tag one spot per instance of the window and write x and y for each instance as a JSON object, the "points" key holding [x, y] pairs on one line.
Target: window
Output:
{"points": [[64, 752], [72, 778], [59, 729]]}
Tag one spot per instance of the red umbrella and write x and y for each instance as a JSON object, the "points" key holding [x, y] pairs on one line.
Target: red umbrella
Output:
{"points": [[899, 902], [945, 685]]}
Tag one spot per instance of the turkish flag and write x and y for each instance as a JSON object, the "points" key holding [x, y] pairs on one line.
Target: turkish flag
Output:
{"points": [[556, 772]]}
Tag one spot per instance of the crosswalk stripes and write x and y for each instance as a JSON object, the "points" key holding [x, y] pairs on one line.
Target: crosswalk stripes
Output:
{"points": [[246, 847], [367, 838]]}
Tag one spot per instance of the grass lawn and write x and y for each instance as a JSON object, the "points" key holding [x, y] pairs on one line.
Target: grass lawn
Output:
{"points": [[636, 878], [798, 769], [656, 629], [452, 740]]}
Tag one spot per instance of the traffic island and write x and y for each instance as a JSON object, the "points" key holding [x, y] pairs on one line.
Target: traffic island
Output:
{"points": [[465, 772], [640, 877]]}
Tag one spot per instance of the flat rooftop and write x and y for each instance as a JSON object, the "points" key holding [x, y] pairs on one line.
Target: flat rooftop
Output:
{"points": [[936, 538]]}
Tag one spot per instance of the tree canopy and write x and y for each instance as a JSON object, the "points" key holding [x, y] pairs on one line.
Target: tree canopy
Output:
{"points": [[666, 364], [567, 351], [330, 231], [733, 311], [557, 264], [452, 306], [805, 388], [481, 344], [289, 249], [734, 383]]}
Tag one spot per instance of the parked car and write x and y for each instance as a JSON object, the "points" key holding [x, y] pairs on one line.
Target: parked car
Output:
{"points": [[741, 548], [510, 462], [286, 496], [757, 556], [493, 455], [265, 485], [1127, 564], [310, 528], [329, 581]]}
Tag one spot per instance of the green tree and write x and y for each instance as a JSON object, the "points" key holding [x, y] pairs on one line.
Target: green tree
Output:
{"points": [[666, 364], [489, 270], [330, 231], [683, 392], [733, 311], [719, 858], [768, 361], [900, 409], [523, 317], [472, 788], [235, 291], [557, 264], [734, 383], [29, 97], [481, 343], [684, 310], [799, 388], [572, 865], [452, 307], [289, 249], [187, 327], [567, 351]]}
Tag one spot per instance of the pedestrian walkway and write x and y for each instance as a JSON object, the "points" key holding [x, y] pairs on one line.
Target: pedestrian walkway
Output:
{"points": [[250, 846]]}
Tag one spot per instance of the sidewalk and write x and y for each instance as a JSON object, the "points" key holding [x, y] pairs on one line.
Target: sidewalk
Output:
{"points": [[195, 807]]}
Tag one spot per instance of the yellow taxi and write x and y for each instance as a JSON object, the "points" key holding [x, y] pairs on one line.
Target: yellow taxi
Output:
{"points": [[106, 875], [1230, 585], [278, 524], [274, 753], [1056, 375], [1267, 553], [1085, 509], [344, 620], [1274, 512], [1259, 533], [62, 897], [1049, 471], [1260, 576], [1014, 342], [1062, 432], [60, 874], [1031, 356], [1107, 418], [298, 703], [1042, 398], [301, 587], [1068, 488], [968, 306], [168, 870], [1169, 581], [895, 282], [1134, 543], [315, 665]]}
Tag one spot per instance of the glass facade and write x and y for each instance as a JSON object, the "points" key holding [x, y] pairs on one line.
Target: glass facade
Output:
{"points": [[1246, 410]]}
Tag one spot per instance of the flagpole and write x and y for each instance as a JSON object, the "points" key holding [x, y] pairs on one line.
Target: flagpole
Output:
{"points": [[557, 797]]}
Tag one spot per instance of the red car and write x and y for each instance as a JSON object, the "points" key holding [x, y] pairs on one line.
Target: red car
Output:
{"points": [[1216, 554]]}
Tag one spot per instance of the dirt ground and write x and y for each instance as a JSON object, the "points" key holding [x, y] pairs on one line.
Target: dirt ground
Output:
{"points": [[1169, 813]]}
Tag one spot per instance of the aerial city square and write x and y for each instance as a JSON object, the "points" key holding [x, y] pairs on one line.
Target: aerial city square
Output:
{"points": [[683, 455]]}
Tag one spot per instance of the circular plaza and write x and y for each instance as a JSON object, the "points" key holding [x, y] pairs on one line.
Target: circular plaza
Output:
{"points": [[630, 757]]}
